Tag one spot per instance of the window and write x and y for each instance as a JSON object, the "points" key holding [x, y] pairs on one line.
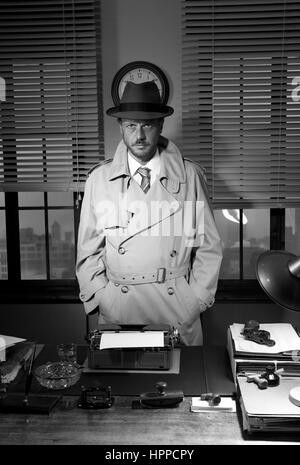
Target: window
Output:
{"points": [[292, 230], [42, 236], [241, 108], [47, 235], [245, 235], [51, 117], [241, 114], [51, 133], [3, 249]]}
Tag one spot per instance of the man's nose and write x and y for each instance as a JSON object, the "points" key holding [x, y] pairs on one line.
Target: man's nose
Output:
{"points": [[140, 133]]}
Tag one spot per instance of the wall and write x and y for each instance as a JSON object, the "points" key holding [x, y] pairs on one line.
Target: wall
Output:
{"points": [[141, 30]]}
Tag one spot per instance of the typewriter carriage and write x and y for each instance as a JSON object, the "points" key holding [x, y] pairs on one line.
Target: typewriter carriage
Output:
{"points": [[136, 358]]}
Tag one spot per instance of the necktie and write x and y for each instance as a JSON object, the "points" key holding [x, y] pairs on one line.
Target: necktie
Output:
{"points": [[145, 173]]}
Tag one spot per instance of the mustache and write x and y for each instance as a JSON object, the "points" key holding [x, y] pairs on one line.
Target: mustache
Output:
{"points": [[141, 142]]}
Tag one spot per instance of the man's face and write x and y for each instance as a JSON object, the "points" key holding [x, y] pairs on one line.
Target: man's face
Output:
{"points": [[141, 137]]}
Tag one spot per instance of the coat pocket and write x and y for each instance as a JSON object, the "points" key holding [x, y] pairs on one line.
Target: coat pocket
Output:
{"points": [[188, 299], [108, 303]]}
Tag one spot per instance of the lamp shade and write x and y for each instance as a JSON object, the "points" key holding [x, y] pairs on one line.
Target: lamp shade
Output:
{"points": [[278, 273]]}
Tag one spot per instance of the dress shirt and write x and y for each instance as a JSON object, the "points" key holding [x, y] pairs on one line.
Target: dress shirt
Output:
{"points": [[153, 165]]}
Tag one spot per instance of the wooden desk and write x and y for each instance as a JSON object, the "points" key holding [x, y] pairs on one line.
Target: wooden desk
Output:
{"points": [[123, 425]]}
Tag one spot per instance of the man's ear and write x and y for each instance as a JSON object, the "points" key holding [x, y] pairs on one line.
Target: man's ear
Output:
{"points": [[120, 125]]}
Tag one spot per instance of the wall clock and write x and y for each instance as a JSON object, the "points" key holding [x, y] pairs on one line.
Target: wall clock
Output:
{"points": [[138, 72]]}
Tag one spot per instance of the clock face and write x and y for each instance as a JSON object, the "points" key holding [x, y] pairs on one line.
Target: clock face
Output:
{"points": [[138, 72], [138, 76]]}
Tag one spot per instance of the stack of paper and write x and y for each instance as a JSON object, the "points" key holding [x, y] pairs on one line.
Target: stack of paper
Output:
{"points": [[268, 409], [253, 357], [285, 337]]}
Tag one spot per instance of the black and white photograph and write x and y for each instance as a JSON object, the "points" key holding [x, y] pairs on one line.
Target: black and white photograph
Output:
{"points": [[149, 227]]}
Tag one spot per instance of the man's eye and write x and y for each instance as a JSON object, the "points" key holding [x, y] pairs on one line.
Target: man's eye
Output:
{"points": [[147, 126]]}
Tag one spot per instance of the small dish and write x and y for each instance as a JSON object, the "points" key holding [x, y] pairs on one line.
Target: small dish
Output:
{"points": [[57, 375]]}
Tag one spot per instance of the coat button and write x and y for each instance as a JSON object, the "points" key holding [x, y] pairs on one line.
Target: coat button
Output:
{"points": [[170, 290], [121, 250], [173, 253], [124, 289]]}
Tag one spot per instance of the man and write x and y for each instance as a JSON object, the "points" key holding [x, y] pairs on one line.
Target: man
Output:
{"points": [[148, 247]]}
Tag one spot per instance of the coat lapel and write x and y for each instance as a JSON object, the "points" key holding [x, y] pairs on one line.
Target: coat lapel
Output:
{"points": [[142, 211], [150, 209]]}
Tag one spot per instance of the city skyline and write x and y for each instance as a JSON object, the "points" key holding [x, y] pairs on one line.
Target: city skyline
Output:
{"points": [[62, 246], [33, 252]]}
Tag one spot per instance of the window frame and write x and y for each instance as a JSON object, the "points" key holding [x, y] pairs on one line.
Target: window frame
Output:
{"points": [[14, 289], [52, 130], [224, 100], [66, 64], [249, 289], [17, 290]]}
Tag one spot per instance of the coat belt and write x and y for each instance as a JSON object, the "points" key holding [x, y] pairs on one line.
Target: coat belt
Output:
{"points": [[159, 275]]}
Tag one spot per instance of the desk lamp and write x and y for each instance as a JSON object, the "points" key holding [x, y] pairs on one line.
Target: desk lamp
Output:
{"points": [[278, 273]]}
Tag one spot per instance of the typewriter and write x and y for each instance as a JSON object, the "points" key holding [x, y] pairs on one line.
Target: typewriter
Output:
{"points": [[131, 358]]}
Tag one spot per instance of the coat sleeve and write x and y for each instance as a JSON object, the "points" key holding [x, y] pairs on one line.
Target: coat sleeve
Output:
{"points": [[207, 253], [90, 265]]}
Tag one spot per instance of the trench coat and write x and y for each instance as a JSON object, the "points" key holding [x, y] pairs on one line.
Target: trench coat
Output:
{"points": [[149, 258]]}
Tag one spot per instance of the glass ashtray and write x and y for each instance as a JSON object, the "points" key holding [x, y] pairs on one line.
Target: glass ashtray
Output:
{"points": [[57, 375]]}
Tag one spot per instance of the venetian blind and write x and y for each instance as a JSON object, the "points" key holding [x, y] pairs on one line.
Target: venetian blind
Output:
{"points": [[241, 100], [50, 100]]}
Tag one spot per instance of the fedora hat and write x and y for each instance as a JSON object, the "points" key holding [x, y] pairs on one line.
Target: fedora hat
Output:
{"points": [[140, 101]]}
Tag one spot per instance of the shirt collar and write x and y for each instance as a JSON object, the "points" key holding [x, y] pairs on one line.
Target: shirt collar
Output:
{"points": [[153, 164], [171, 161]]}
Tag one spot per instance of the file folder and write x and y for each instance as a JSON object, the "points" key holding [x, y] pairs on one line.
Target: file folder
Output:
{"points": [[256, 362], [268, 410]]}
